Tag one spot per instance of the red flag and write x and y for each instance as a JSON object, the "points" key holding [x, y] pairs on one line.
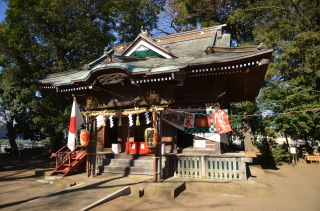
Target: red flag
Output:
{"points": [[76, 121], [221, 122]]}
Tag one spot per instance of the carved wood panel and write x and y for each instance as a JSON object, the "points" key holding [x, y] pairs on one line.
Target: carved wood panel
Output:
{"points": [[111, 79]]}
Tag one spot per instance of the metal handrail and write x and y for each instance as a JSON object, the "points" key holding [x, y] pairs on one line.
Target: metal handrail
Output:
{"points": [[59, 150], [69, 154]]}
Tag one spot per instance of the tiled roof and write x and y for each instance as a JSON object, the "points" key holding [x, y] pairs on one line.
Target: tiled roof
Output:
{"points": [[189, 47]]}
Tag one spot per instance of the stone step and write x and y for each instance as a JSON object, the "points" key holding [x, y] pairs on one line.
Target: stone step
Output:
{"points": [[125, 156], [129, 163], [52, 177], [47, 181], [129, 170]]}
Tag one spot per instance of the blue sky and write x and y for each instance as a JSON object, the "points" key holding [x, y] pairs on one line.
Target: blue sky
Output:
{"points": [[3, 7]]}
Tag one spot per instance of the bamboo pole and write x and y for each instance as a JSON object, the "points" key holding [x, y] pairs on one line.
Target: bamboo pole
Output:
{"points": [[154, 151]]}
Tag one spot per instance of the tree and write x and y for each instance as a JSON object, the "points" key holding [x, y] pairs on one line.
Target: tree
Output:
{"points": [[208, 13], [7, 121], [61, 35], [280, 98], [170, 19], [292, 29]]}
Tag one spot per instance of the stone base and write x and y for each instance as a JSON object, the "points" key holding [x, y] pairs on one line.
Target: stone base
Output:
{"points": [[158, 190]]}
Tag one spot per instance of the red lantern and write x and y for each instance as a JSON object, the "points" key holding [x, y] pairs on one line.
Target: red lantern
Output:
{"points": [[84, 137]]}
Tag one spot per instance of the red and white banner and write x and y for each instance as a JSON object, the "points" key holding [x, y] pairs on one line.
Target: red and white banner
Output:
{"points": [[221, 122], [76, 120], [189, 120]]}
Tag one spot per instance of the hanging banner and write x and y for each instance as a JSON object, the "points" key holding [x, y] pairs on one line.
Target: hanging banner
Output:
{"points": [[203, 122], [221, 122], [189, 120]]}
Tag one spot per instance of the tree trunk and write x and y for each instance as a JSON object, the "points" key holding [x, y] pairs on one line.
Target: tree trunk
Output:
{"points": [[11, 135], [292, 160], [248, 147], [59, 135], [287, 142], [57, 142]]}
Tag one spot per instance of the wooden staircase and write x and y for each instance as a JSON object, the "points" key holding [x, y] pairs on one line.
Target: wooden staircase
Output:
{"points": [[69, 161], [130, 164]]}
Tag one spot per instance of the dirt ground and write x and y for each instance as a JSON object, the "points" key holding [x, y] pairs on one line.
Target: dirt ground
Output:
{"points": [[12, 162], [294, 189], [17, 182]]}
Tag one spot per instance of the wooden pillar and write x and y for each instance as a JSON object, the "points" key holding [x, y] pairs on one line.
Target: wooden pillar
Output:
{"points": [[159, 146], [120, 139], [101, 135], [88, 148], [174, 140], [125, 130], [92, 148], [154, 150], [218, 148]]}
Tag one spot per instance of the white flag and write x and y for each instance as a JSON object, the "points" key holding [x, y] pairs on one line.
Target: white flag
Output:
{"points": [[76, 120]]}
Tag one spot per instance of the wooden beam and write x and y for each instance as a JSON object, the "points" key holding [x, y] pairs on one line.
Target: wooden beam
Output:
{"points": [[245, 87]]}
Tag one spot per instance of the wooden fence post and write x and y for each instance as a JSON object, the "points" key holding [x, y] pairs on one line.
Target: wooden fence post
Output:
{"points": [[203, 165], [244, 170]]}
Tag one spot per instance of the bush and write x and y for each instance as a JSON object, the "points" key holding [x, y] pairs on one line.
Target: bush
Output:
{"points": [[272, 154]]}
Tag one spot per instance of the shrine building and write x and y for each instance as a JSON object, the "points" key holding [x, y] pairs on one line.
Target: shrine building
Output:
{"points": [[189, 72]]}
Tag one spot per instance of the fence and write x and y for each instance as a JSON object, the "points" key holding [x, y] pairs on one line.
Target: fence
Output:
{"points": [[208, 167], [27, 145]]}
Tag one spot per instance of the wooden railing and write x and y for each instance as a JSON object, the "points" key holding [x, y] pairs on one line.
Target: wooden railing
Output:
{"points": [[61, 157], [207, 167]]}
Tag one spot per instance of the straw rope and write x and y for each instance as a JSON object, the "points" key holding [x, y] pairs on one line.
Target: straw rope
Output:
{"points": [[124, 113]]}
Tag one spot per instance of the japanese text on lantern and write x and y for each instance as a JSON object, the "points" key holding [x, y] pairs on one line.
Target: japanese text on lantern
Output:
{"points": [[150, 134], [189, 120], [221, 122]]}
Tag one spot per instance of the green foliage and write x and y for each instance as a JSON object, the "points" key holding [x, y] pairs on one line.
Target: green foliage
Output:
{"points": [[60, 34], [292, 30], [209, 13], [237, 122], [272, 154]]}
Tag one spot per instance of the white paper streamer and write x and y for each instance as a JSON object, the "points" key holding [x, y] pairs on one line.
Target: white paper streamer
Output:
{"points": [[111, 122], [147, 117], [130, 120], [100, 121]]}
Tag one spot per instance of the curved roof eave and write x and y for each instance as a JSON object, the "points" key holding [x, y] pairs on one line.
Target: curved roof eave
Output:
{"points": [[153, 66]]}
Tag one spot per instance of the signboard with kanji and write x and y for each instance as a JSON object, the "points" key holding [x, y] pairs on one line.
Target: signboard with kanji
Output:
{"points": [[202, 122], [151, 137], [189, 120], [221, 122]]}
